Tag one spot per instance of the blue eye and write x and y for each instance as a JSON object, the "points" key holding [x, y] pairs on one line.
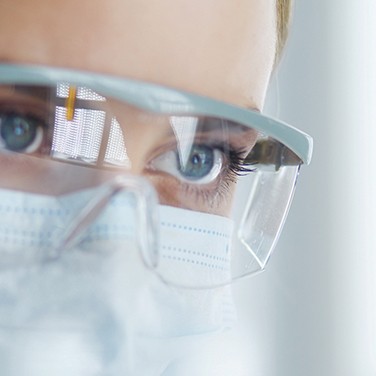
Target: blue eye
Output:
{"points": [[20, 133], [199, 163], [202, 165]]}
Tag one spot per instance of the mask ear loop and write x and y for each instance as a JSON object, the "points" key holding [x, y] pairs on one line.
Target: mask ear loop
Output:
{"points": [[146, 217]]}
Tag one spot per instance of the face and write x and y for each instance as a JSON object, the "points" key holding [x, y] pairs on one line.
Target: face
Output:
{"points": [[224, 50], [217, 48]]}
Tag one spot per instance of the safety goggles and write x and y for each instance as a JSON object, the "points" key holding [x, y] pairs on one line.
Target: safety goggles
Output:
{"points": [[63, 131]]}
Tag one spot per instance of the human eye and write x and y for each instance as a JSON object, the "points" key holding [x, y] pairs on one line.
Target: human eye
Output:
{"points": [[21, 132], [203, 180], [201, 165], [24, 120]]}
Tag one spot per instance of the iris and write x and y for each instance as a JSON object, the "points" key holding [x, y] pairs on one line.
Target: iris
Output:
{"points": [[17, 132], [199, 163]]}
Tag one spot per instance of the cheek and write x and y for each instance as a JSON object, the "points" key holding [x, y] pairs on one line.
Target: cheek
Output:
{"points": [[205, 199], [41, 176]]}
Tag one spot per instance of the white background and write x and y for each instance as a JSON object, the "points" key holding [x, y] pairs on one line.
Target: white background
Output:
{"points": [[312, 312]]}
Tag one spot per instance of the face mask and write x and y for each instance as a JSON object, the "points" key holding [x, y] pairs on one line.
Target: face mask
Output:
{"points": [[95, 308]]}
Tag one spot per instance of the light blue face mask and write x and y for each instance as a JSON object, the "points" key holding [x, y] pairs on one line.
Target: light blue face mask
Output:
{"points": [[97, 298]]}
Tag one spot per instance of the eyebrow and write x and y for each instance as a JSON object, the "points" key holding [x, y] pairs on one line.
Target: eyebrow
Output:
{"points": [[9, 60], [253, 108], [209, 124], [249, 104]]}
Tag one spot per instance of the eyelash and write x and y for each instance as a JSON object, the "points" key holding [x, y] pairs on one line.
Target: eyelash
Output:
{"points": [[236, 167], [237, 164]]}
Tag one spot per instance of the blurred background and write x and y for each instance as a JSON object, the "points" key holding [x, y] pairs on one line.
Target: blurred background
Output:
{"points": [[313, 311]]}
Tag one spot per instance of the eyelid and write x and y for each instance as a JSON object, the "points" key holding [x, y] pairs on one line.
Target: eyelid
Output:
{"points": [[235, 135], [26, 105]]}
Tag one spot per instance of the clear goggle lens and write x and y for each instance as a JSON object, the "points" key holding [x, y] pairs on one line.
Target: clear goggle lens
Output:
{"points": [[64, 138]]}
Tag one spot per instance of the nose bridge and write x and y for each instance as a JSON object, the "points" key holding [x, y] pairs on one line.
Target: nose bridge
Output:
{"points": [[143, 132]]}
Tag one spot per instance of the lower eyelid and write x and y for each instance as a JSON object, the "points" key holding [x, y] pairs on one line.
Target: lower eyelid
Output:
{"points": [[190, 196]]}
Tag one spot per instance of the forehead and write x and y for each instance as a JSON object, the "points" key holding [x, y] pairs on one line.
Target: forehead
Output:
{"points": [[220, 48]]}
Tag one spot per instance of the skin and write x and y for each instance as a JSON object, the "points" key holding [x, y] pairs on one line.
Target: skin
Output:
{"points": [[218, 48], [224, 49]]}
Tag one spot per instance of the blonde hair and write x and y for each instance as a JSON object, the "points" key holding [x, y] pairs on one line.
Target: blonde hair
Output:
{"points": [[283, 23]]}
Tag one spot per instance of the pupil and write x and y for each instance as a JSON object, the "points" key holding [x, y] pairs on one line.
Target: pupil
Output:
{"points": [[199, 164], [195, 159], [17, 132]]}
